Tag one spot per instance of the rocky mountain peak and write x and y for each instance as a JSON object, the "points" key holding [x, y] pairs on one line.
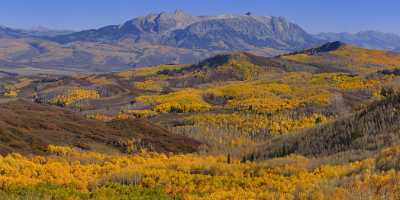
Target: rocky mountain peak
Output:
{"points": [[162, 22]]}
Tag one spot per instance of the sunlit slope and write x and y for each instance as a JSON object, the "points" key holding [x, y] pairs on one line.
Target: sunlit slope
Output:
{"points": [[340, 57]]}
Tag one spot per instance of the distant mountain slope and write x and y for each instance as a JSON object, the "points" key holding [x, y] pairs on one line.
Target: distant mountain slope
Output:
{"points": [[91, 56], [242, 33], [141, 29], [366, 39], [28, 128], [41, 31], [7, 32]]}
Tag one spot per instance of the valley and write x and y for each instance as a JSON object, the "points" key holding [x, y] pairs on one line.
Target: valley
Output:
{"points": [[232, 102]]}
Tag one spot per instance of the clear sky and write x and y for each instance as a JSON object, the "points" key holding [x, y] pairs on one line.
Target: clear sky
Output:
{"points": [[313, 15]]}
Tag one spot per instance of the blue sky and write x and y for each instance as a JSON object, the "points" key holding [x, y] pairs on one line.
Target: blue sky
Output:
{"points": [[313, 15]]}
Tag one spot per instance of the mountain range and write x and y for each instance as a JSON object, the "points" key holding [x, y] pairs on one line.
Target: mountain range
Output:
{"points": [[6, 32], [366, 39], [182, 30], [175, 37]]}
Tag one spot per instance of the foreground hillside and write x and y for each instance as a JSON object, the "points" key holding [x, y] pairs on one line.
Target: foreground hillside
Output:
{"points": [[29, 128], [360, 134]]}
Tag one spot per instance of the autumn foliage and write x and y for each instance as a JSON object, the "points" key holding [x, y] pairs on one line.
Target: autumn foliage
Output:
{"points": [[73, 95], [305, 125], [198, 177]]}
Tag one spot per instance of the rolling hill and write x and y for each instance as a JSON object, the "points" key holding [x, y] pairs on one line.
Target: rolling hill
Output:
{"points": [[338, 56], [239, 98]]}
